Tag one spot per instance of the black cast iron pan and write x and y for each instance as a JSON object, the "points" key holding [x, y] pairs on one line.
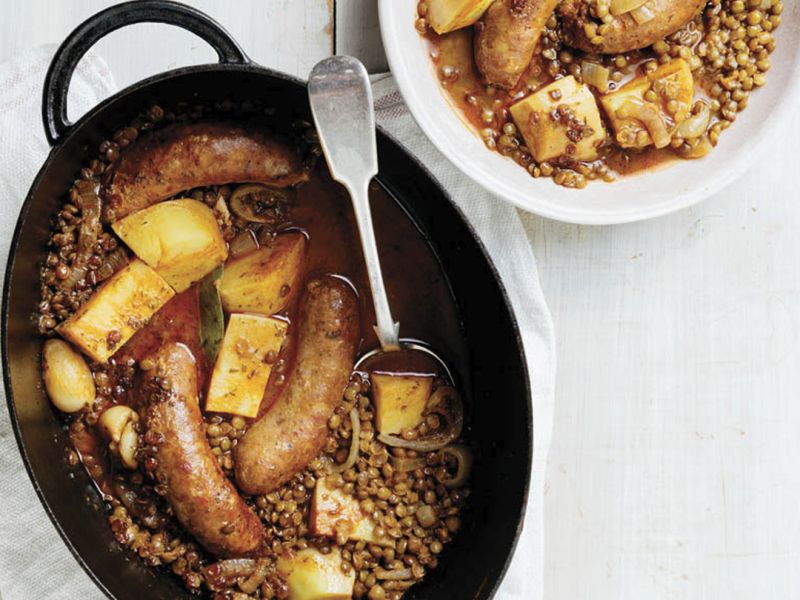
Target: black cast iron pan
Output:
{"points": [[500, 408]]}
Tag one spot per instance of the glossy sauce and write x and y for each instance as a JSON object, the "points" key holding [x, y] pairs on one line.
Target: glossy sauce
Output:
{"points": [[471, 97], [93, 456], [418, 292]]}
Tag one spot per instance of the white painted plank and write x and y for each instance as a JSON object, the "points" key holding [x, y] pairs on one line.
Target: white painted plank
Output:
{"points": [[674, 467], [358, 33], [283, 34]]}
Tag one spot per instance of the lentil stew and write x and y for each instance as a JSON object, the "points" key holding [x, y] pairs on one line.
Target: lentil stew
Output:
{"points": [[154, 420], [583, 90], [387, 487]]}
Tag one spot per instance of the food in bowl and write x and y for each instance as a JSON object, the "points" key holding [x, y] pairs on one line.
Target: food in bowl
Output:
{"points": [[581, 90], [203, 307]]}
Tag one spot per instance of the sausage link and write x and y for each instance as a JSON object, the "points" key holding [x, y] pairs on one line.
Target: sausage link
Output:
{"points": [[203, 499], [184, 156], [507, 36], [293, 432], [623, 33]]}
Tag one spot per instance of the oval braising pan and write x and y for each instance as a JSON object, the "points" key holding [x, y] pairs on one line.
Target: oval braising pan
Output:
{"points": [[499, 407]]}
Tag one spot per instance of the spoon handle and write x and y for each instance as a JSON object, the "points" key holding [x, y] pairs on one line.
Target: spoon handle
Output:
{"points": [[387, 329], [341, 104]]}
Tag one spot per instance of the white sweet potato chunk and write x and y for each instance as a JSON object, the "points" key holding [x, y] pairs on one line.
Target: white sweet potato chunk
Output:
{"points": [[449, 15], [399, 400], [561, 119], [117, 310], [311, 575], [262, 281], [336, 514], [648, 109], [180, 239], [249, 349]]}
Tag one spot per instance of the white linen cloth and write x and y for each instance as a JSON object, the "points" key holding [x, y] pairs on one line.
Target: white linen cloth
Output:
{"points": [[34, 563], [500, 229]]}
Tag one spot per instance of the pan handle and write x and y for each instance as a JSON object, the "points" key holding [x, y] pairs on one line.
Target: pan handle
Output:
{"points": [[56, 83]]}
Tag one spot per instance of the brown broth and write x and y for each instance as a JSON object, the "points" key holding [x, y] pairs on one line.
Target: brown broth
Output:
{"points": [[419, 294], [471, 97], [421, 300]]}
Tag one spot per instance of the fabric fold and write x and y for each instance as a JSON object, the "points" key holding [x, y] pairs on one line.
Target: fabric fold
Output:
{"points": [[500, 229], [34, 562]]}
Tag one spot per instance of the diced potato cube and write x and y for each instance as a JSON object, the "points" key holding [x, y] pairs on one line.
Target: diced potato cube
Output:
{"points": [[311, 575], [670, 82], [118, 309], [561, 119], [333, 513], [449, 15], [243, 365], [262, 281], [180, 239], [399, 400]]}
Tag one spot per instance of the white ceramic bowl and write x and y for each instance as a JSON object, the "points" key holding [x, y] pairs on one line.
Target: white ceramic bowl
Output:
{"points": [[635, 198]]}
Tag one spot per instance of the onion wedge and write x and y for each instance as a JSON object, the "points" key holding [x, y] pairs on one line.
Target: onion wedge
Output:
{"points": [[463, 457], [355, 442], [453, 413]]}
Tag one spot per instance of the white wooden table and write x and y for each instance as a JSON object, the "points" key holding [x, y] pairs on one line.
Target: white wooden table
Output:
{"points": [[674, 471]]}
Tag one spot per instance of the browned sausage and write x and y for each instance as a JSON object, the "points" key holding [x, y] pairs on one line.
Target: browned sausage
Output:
{"points": [[624, 33], [507, 38], [293, 431], [184, 156], [203, 499]]}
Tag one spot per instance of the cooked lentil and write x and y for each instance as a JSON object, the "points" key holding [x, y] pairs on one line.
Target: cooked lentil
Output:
{"points": [[143, 521], [728, 47]]}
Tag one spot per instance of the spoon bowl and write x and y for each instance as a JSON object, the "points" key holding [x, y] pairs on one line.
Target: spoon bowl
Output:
{"points": [[417, 357]]}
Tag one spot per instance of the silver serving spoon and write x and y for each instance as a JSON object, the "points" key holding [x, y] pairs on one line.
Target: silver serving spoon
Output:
{"points": [[341, 104]]}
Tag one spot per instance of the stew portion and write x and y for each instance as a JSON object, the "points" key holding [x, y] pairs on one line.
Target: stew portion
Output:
{"points": [[578, 90], [204, 304]]}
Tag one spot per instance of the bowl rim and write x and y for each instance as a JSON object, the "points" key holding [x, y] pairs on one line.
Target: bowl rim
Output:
{"points": [[242, 68], [534, 198]]}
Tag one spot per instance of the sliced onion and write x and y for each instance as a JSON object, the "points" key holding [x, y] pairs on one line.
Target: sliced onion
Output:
{"points": [[650, 117], [596, 75], [393, 575], [75, 275], [643, 14], [89, 201], [463, 457], [702, 147], [222, 208], [404, 464], [355, 442], [426, 516], [696, 125], [620, 7], [112, 263], [453, 414], [232, 567], [86, 196], [243, 243], [442, 394], [260, 203], [260, 572]]}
